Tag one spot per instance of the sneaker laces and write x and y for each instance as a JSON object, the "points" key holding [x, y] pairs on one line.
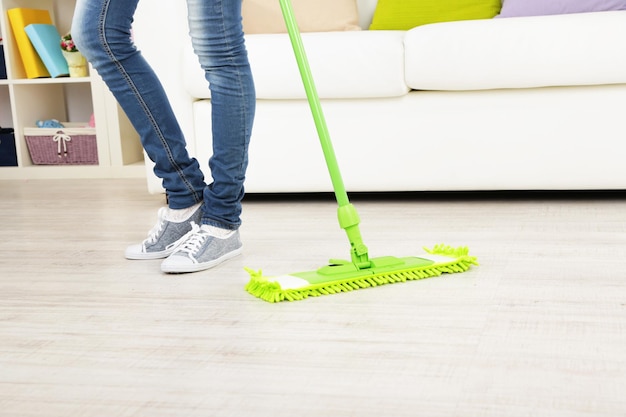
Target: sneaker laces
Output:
{"points": [[195, 239], [153, 234]]}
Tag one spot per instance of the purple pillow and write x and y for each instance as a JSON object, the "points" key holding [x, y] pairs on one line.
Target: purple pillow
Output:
{"points": [[517, 8]]}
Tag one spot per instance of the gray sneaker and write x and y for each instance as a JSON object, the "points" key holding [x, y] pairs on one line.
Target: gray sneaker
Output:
{"points": [[203, 249], [169, 231]]}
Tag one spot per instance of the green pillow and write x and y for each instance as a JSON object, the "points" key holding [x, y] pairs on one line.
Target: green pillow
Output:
{"points": [[406, 14]]}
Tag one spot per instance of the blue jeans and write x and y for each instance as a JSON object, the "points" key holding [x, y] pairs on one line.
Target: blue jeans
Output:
{"points": [[101, 30]]}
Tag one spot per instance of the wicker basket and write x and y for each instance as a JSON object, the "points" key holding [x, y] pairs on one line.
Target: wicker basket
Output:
{"points": [[73, 144]]}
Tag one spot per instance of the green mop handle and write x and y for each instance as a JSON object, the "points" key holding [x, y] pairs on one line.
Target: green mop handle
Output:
{"points": [[348, 217]]}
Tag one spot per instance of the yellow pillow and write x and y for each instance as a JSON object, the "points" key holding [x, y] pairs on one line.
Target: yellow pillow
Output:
{"points": [[265, 16], [407, 14]]}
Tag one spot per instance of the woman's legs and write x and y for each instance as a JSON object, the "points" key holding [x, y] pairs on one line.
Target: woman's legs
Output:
{"points": [[101, 29], [217, 38]]}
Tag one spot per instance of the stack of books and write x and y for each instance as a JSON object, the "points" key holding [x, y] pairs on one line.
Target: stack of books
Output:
{"points": [[38, 42]]}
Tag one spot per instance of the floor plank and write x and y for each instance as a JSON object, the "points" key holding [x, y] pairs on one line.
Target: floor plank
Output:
{"points": [[538, 329]]}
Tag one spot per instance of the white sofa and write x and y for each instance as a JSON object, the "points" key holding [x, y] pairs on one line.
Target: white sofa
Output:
{"points": [[530, 103]]}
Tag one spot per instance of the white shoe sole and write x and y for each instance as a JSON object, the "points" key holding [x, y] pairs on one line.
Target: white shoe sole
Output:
{"points": [[138, 255], [174, 268]]}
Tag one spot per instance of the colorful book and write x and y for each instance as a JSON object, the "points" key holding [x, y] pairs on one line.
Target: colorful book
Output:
{"points": [[19, 18], [46, 40]]}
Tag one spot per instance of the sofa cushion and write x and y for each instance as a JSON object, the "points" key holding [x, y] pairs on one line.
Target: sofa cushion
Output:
{"points": [[265, 16], [540, 51], [366, 9], [402, 15], [353, 64], [518, 8]]}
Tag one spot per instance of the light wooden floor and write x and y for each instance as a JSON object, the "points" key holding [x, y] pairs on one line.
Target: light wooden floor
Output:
{"points": [[538, 329]]}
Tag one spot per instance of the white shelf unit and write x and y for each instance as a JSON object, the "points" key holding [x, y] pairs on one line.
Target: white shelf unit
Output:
{"points": [[23, 101]]}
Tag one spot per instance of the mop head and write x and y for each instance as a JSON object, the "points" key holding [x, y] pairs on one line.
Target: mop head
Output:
{"points": [[344, 276]]}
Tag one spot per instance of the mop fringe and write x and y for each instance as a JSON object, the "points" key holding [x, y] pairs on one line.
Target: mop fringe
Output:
{"points": [[269, 290]]}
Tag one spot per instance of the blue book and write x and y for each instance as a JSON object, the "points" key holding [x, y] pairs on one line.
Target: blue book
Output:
{"points": [[47, 42]]}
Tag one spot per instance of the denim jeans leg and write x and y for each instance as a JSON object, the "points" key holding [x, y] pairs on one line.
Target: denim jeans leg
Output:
{"points": [[101, 30], [218, 41]]}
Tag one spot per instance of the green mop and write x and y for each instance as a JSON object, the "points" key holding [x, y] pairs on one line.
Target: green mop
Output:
{"points": [[361, 271]]}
